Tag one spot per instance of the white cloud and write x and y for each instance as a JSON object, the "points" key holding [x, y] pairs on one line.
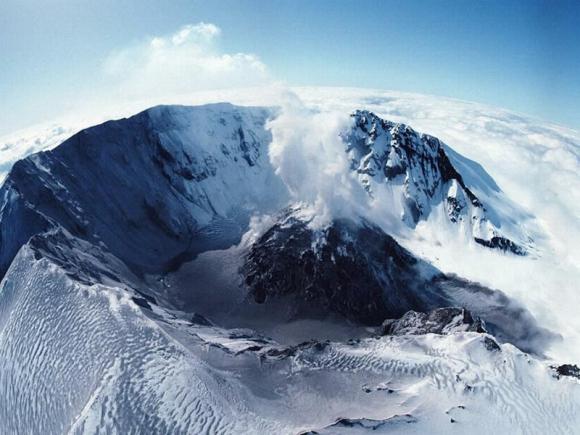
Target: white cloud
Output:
{"points": [[206, 31], [306, 153], [183, 62]]}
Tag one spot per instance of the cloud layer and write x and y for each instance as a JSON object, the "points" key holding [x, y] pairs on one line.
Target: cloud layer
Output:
{"points": [[183, 62]]}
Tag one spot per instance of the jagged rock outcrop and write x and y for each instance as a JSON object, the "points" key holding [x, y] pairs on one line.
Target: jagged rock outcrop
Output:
{"points": [[439, 321], [420, 176], [442, 321], [356, 270], [363, 425], [570, 370]]}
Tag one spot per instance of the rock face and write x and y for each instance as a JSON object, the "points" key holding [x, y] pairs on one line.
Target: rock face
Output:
{"points": [[364, 425], [153, 189], [419, 174], [438, 321], [570, 370], [354, 270]]}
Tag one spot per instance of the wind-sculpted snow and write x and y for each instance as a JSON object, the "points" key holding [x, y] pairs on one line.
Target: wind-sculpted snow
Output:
{"points": [[83, 358]]}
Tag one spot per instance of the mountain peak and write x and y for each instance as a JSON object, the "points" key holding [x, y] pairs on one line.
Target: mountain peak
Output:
{"points": [[420, 175]]}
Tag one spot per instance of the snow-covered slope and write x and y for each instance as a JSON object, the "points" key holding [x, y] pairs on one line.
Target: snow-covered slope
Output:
{"points": [[85, 359], [414, 174], [81, 358]]}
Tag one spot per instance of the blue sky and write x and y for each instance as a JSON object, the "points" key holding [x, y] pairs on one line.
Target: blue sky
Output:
{"points": [[521, 55]]}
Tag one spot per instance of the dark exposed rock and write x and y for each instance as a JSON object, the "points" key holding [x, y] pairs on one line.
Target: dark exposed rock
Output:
{"points": [[142, 302], [355, 270], [280, 353], [570, 370], [364, 424], [491, 345], [455, 208], [83, 261], [502, 244], [250, 148], [378, 388], [438, 321], [198, 319]]}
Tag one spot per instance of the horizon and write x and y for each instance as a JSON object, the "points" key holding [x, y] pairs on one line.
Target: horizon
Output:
{"points": [[71, 56]]}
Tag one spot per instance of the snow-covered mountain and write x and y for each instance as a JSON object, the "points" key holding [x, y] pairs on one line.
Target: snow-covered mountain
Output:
{"points": [[197, 174], [155, 188], [421, 175], [159, 275]]}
